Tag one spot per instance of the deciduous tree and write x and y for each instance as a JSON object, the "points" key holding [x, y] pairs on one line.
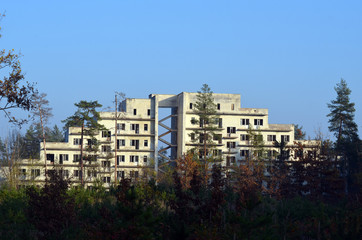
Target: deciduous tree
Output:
{"points": [[14, 92]]}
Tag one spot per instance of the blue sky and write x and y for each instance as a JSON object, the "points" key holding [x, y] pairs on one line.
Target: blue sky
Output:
{"points": [[286, 56]]}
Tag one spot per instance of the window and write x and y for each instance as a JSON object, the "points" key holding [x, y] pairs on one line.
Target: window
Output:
{"points": [[63, 157], [217, 152], [192, 135], [148, 112], [76, 157], [145, 159], [220, 122], [272, 138], [106, 134], [232, 106], [106, 148], [77, 141], [106, 179], [120, 158], [231, 144], [134, 174], [230, 160], [218, 106], [120, 174], [145, 127], [121, 142], [78, 173], [190, 105], [231, 129], [133, 158], [285, 138], [244, 137], [121, 126], [244, 153], [35, 173], [106, 164], [134, 111], [64, 173], [135, 143], [135, 127], [50, 157], [145, 143], [92, 173], [244, 121], [258, 122]]}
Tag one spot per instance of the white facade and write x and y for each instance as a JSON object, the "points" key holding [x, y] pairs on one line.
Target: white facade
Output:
{"points": [[141, 138]]}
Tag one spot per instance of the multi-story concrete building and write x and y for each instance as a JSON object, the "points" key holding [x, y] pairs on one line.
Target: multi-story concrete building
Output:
{"points": [[141, 136]]}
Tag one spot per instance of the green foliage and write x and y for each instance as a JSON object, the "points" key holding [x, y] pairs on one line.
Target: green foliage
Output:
{"points": [[205, 109], [348, 144]]}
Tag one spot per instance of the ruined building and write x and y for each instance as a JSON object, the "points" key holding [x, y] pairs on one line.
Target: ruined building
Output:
{"points": [[142, 137]]}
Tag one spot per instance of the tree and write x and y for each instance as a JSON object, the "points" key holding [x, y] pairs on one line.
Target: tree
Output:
{"points": [[205, 109], [299, 134], [341, 117], [342, 124], [44, 112], [86, 117], [56, 135], [13, 92]]}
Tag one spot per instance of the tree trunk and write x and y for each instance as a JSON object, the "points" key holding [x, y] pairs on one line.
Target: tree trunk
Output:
{"points": [[81, 153]]}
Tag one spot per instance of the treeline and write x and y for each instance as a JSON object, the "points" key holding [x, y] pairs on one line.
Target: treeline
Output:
{"points": [[184, 205], [27, 145]]}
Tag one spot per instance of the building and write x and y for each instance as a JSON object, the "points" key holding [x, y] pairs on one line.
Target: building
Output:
{"points": [[142, 136]]}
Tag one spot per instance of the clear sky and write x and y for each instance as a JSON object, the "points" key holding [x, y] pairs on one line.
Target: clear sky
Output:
{"points": [[286, 56]]}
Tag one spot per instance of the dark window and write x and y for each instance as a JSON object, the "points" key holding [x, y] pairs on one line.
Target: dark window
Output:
{"points": [[120, 174], [285, 138], [106, 134], [244, 137], [120, 158], [258, 122], [134, 111], [190, 105], [145, 159], [145, 143], [244, 153], [121, 126], [231, 130], [231, 144], [244, 121], [145, 127], [218, 106], [272, 138], [50, 157]]}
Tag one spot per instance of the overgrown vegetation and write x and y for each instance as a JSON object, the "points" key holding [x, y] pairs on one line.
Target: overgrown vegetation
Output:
{"points": [[236, 207]]}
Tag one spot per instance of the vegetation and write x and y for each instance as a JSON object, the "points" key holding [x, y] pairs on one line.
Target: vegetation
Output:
{"points": [[87, 118], [14, 93]]}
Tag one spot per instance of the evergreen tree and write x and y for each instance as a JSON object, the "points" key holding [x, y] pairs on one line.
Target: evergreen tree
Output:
{"points": [[205, 109], [342, 124], [87, 118], [56, 135]]}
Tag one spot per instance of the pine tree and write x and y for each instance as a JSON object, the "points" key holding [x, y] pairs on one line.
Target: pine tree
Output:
{"points": [[86, 117], [205, 109], [342, 124]]}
